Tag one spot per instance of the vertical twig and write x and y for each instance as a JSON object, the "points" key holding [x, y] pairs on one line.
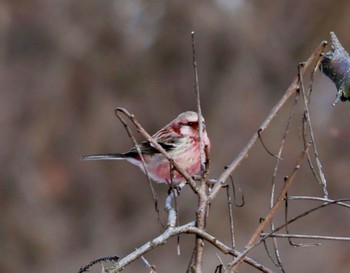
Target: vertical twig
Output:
{"points": [[232, 227], [312, 136], [201, 213], [273, 188], [199, 110]]}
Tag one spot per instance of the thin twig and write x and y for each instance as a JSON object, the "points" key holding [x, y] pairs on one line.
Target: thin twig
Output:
{"points": [[320, 199], [238, 261], [232, 228], [312, 136], [301, 216], [265, 147], [275, 110], [274, 176], [339, 201], [235, 195], [147, 264], [221, 262], [277, 262], [287, 228], [300, 236], [199, 110], [131, 136], [201, 212]]}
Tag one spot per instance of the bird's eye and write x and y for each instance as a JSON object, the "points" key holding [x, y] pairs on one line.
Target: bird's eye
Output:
{"points": [[190, 123]]}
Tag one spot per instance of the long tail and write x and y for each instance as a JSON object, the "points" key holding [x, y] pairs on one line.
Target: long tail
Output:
{"points": [[104, 157]]}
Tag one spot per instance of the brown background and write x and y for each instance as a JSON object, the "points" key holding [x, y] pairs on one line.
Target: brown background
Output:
{"points": [[66, 65]]}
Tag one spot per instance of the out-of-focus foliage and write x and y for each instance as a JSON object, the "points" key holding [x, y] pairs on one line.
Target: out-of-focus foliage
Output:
{"points": [[66, 65]]}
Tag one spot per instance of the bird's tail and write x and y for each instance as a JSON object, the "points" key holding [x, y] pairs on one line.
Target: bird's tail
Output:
{"points": [[104, 157]]}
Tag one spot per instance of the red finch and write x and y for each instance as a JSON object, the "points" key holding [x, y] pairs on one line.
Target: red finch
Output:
{"points": [[180, 139]]}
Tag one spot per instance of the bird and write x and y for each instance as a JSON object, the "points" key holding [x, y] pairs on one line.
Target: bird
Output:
{"points": [[179, 138]]}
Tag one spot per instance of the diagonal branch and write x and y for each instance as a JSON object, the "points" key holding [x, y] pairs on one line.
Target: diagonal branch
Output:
{"points": [[244, 153], [238, 261]]}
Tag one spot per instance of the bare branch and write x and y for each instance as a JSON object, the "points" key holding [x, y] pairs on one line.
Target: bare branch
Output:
{"points": [[313, 198], [278, 261], [289, 92], [170, 232], [323, 205], [237, 262], [199, 110], [312, 136], [202, 190], [313, 237]]}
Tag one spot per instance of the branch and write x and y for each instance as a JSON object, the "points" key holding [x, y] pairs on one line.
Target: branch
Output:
{"points": [[237, 262], [322, 177], [299, 236], [244, 153], [197, 258], [313, 198], [199, 111], [173, 231]]}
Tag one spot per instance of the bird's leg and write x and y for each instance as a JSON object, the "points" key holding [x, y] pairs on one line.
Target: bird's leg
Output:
{"points": [[170, 207]]}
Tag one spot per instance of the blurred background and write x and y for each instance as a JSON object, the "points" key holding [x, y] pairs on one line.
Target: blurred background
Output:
{"points": [[66, 65]]}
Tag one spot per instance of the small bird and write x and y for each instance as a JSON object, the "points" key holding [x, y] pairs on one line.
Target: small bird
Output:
{"points": [[179, 138]]}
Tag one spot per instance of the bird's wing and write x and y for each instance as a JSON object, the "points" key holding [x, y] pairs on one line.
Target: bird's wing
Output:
{"points": [[168, 143]]}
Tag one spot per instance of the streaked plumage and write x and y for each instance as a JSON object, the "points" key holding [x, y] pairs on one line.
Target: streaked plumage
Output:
{"points": [[179, 138]]}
